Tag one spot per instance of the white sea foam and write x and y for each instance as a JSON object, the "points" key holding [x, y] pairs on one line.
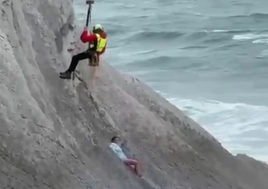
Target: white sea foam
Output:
{"points": [[219, 31], [249, 36], [228, 122], [261, 41]]}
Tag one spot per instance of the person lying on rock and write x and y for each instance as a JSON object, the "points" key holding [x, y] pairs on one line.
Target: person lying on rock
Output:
{"points": [[97, 46], [132, 163]]}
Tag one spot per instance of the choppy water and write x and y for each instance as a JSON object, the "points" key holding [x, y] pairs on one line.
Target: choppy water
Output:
{"points": [[209, 58]]}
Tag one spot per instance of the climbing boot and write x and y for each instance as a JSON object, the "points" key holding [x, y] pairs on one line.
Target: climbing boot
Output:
{"points": [[65, 75], [61, 73]]}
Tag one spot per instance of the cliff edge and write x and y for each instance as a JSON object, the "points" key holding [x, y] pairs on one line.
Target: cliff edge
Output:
{"points": [[55, 134]]}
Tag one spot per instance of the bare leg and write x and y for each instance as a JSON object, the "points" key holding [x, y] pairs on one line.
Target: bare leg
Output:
{"points": [[135, 163]]}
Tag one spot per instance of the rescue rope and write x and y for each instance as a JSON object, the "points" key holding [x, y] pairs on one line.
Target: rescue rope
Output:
{"points": [[88, 20], [89, 12]]}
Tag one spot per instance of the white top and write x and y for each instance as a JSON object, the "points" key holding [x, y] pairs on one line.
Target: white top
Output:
{"points": [[118, 150]]}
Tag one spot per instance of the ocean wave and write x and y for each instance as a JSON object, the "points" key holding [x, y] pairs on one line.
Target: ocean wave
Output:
{"points": [[143, 35], [160, 62], [263, 54], [163, 63], [143, 52], [239, 127], [253, 15], [225, 120], [173, 35], [251, 36], [261, 41], [232, 31], [194, 47], [214, 36]]}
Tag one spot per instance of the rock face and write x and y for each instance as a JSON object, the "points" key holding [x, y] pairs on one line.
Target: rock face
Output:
{"points": [[55, 135]]}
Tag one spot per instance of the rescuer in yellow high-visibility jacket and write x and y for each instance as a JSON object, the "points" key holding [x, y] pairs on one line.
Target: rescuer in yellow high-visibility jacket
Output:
{"points": [[97, 46]]}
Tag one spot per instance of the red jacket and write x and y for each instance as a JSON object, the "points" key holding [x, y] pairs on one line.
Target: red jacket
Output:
{"points": [[88, 37]]}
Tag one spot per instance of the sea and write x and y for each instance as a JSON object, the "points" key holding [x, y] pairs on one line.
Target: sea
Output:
{"points": [[209, 58]]}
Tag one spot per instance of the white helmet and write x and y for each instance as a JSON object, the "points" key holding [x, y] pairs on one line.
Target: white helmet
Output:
{"points": [[97, 27]]}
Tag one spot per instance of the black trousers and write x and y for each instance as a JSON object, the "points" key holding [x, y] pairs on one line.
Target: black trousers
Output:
{"points": [[77, 58]]}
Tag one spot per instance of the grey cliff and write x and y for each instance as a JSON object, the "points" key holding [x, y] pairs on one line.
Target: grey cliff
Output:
{"points": [[55, 134]]}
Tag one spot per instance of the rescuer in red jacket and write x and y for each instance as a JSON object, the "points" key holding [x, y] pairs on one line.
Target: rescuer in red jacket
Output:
{"points": [[97, 46]]}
